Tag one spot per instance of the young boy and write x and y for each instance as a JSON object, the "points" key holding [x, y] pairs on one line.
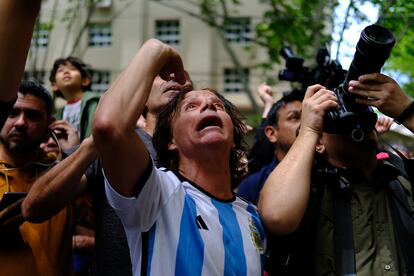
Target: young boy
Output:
{"points": [[71, 79]]}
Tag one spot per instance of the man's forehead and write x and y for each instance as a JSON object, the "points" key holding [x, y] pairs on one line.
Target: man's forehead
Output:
{"points": [[29, 101], [293, 105], [296, 105], [200, 94]]}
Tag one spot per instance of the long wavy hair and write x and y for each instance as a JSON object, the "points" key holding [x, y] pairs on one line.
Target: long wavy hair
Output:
{"points": [[163, 136]]}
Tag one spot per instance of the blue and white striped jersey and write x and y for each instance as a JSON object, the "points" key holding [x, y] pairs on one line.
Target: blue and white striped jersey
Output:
{"points": [[190, 231]]}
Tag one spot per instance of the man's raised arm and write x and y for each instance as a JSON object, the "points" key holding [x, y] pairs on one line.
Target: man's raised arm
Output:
{"points": [[17, 19], [60, 185], [123, 154], [285, 194]]}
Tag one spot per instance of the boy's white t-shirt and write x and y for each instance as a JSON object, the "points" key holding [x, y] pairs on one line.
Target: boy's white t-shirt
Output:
{"points": [[72, 114]]}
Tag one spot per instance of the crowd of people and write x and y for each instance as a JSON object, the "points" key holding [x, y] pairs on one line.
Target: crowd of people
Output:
{"points": [[153, 177]]}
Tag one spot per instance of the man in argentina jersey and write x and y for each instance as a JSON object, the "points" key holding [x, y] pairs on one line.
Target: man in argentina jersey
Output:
{"points": [[192, 232], [194, 223]]}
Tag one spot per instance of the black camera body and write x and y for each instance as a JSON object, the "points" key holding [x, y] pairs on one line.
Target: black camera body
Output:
{"points": [[351, 118], [327, 72]]}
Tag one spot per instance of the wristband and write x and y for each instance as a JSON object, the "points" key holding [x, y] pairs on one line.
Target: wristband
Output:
{"points": [[405, 114]]}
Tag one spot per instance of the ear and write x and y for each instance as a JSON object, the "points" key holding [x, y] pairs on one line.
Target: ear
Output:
{"points": [[54, 87], [172, 146], [271, 133], [320, 148], [85, 81]]}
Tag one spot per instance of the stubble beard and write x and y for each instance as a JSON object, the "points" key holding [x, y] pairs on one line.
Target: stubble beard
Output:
{"points": [[19, 148], [283, 147]]}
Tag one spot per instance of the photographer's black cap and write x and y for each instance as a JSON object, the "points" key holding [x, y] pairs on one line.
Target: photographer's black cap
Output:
{"points": [[355, 125]]}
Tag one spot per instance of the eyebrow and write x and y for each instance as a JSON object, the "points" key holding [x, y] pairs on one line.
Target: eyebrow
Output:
{"points": [[294, 110]]}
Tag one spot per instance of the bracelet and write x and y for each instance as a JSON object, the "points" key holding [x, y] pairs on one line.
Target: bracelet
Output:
{"points": [[405, 114]]}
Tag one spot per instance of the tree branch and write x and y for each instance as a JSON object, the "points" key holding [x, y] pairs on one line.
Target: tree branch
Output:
{"points": [[344, 27], [51, 24], [219, 29], [91, 8]]}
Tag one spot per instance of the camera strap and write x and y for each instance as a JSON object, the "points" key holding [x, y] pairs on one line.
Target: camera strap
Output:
{"points": [[404, 222], [343, 232], [402, 210]]}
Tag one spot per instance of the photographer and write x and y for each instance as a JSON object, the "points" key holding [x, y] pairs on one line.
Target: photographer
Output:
{"points": [[346, 211]]}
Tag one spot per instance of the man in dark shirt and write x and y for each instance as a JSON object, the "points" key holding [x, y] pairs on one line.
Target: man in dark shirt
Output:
{"points": [[280, 128]]}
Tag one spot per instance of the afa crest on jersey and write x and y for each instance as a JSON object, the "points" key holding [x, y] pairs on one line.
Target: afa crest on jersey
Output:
{"points": [[255, 236]]}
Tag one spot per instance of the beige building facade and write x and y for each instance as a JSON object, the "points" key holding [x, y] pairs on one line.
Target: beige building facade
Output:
{"points": [[109, 36]]}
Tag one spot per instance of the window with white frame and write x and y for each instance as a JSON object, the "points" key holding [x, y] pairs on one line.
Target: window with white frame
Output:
{"points": [[168, 31], [233, 81], [100, 35], [100, 80], [238, 30], [40, 38]]}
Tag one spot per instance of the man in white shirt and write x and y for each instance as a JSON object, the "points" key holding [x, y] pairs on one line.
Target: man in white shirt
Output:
{"points": [[195, 223]]}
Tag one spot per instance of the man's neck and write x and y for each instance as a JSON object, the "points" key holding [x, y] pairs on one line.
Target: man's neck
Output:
{"points": [[365, 164], [18, 160], [279, 155], [212, 173], [150, 123]]}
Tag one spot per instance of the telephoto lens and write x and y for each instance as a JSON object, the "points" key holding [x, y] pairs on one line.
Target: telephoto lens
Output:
{"points": [[357, 120], [372, 50]]}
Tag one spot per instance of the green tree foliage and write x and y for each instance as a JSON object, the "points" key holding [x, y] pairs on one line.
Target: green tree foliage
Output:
{"points": [[303, 24], [398, 16], [307, 25]]}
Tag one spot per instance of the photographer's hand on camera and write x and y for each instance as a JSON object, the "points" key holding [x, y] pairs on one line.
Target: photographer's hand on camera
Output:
{"points": [[318, 100], [380, 91], [384, 93]]}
